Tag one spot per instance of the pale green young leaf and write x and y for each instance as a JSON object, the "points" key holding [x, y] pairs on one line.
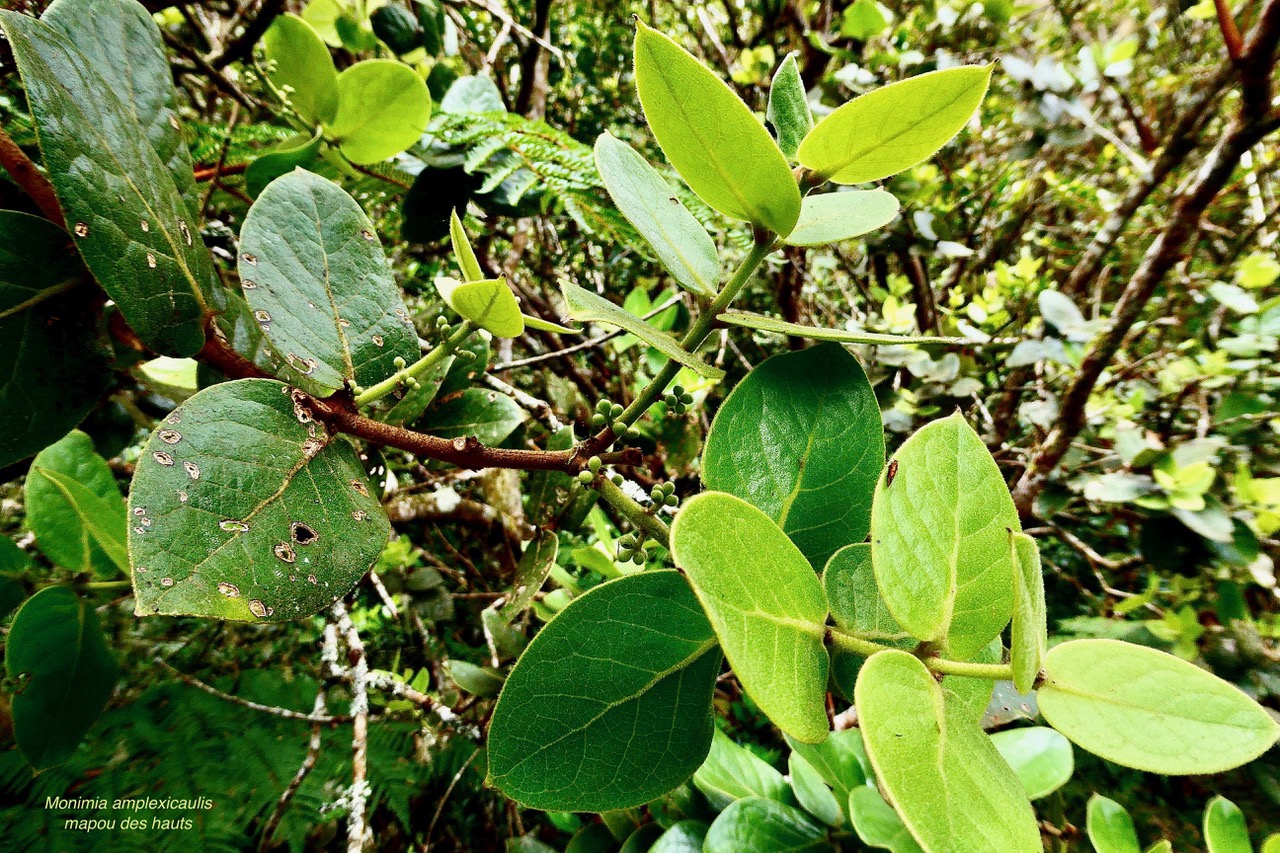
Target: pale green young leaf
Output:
{"points": [[801, 439], [812, 792], [761, 323], [56, 645], [541, 325], [877, 824], [765, 603], [1271, 844], [895, 127], [225, 514], [1225, 830], [465, 256], [832, 217], [1029, 633], [939, 770], [588, 716], [488, 303], [712, 138], [940, 538], [131, 224], [383, 108], [1147, 709], [1041, 757], [788, 109], [681, 243], [587, 307], [299, 65], [75, 509], [731, 772], [321, 290], [759, 825], [1110, 827]]}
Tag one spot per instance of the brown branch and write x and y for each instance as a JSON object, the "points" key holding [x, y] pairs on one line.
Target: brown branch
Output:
{"points": [[308, 762], [242, 45], [1230, 34], [266, 709], [32, 181], [212, 173]]}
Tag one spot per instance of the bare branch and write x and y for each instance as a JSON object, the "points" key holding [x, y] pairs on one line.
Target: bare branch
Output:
{"points": [[266, 709]]}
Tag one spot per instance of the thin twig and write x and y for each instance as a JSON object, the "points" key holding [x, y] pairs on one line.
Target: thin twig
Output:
{"points": [[222, 159], [308, 762], [266, 709], [426, 842]]}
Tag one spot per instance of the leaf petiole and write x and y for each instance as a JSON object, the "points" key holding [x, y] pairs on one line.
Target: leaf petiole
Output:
{"points": [[422, 365]]}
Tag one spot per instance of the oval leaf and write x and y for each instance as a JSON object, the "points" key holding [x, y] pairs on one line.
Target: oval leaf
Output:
{"points": [[833, 217], [585, 306], [681, 243], [51, 345], [594, 719], [895, 127], [313, 271], [1040, 756], [766, 604], [1029, 633], [75, 509], [939, 770], [712, 138], [129, 218], [297, 152], [877, 824], [940, 538], [800, 438], [1225, 830], [856, 604], [489, 304], [383, 108], [299, 65], [757, 825], [1110, 827], [788, 109], [733, 772], [244, 508], [1143, 708], [55, 646]]}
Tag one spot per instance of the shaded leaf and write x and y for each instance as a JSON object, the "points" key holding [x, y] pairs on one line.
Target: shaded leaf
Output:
{"points": [[487, 415], [759, 825], [531, 573], [74, 508], [294, 153], [877, 824], [812, 792], [1041, 757], [1029, 634], [732, 773]]}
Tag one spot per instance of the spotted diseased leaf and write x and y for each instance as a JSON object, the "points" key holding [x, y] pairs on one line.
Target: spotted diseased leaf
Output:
{"points": [[245, 508], [127, 50], [313, 271], [74, 508], [593, 718], [65, 674], [130, 222]]}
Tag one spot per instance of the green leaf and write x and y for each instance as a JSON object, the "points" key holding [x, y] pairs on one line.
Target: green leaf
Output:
{"points": [[712, 138], [856, 604], [641, 839], [840, 760], [55, 646], [487, 415], [761, 323], [1040, 756], [477, 680], [589, 715], [1143, 708], [383, 108], [124, 45], [1029, 634], [812, 792], [1272, 843], [51, 345], [862, 20], [462, 251], [586, 307], [766, 605], [131, 224], [297, 152], [893, 128], [648, 202], [940, 538], [877, 824], [731, 772], [299, 65], [245, 508], [686, 836], [939, 770], [788, 109], [409, 408], [313, 271], [490, 304], [1225, 830], [592, 838], [809, 462], [759, 825], [531, 573], [541, 325], [833, 217], [74, 508], [1110, 827]]}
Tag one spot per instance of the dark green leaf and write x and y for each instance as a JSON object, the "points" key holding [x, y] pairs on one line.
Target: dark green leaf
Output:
{"points": [[766, 604], [313, 271], [759, 825], [788, 110], [245, 508], [297, 152], [531, 573], [801, 439], [74, 508], [55, 646], [687, 836], [593, 718], [131, 224], [486, 415], [732, 772]]}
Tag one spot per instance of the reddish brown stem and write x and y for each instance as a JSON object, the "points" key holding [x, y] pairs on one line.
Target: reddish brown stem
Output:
{"points": [[33, 182]]}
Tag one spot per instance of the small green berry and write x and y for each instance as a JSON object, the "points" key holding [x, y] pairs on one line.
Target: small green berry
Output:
{"points": [[593, 464], [585, 477], [597, 420]]}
